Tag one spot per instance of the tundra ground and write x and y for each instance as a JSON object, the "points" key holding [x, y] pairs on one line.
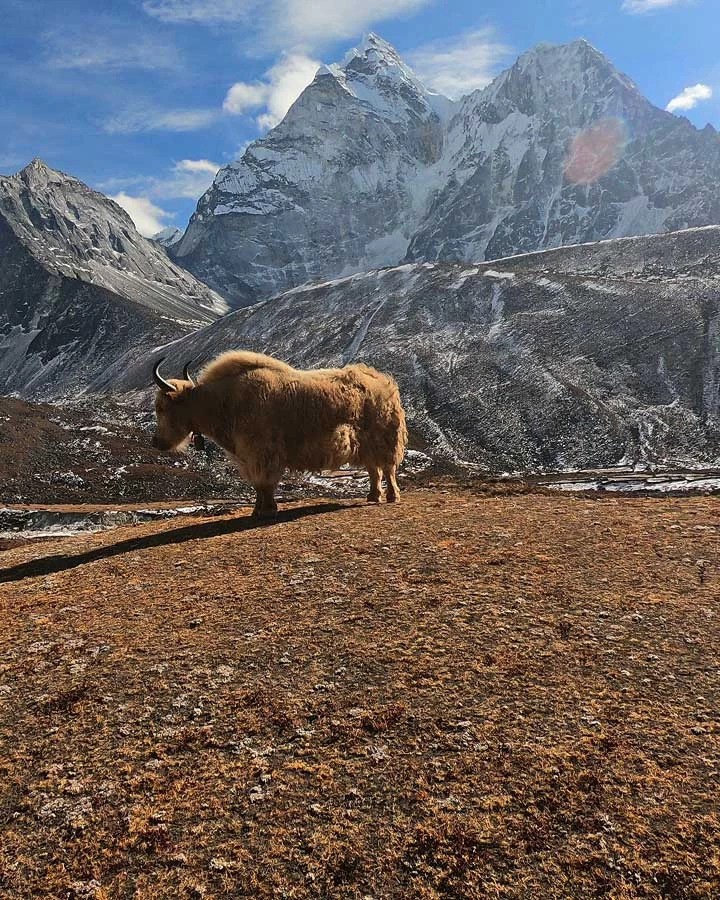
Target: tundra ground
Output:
{"points": [[462, 696]]}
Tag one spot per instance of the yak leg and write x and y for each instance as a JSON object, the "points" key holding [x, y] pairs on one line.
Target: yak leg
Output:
{"points": [[374, 495], [265, 505], [393, 491]]}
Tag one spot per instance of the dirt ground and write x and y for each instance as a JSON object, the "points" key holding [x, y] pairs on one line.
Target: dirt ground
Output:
{"points": [[462, 696]]}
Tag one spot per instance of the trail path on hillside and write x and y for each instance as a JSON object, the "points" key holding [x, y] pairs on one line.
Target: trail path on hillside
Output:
{"points": [[461, 696]]}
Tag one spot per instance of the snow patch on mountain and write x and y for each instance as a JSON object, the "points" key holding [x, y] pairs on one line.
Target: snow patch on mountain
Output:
{"points": [[369, 168]]}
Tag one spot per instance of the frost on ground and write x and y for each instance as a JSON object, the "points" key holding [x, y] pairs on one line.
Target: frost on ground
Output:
{"points": [[463, 690]]}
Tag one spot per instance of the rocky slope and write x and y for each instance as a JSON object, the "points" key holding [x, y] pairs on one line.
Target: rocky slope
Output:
{"points": [[81, 292], [579, 357], [369, 169]]}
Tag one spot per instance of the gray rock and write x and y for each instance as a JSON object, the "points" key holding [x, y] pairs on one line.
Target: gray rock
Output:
{"points": [[82, 294]]}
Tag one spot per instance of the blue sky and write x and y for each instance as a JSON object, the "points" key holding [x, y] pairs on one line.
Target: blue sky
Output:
{"points": [[143, 99]]}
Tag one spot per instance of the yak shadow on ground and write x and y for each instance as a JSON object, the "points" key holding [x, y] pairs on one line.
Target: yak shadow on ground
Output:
{"points": [[49, 565]]}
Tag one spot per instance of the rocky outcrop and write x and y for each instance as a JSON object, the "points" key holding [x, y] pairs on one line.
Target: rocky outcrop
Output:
{"points": [[81, 292]]}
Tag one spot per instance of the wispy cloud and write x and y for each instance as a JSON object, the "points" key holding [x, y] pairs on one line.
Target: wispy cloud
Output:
{"points": [[644, 6], [187, 179], [458, 65], [690, 97], [294, 24], [316, 23], [116, 48], [282, 85], [135, 120], [203, 11], [148, 218]]}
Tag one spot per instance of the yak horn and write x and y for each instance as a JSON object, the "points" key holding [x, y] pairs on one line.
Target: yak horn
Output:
{"points": [[186, 374], [164, 386]]}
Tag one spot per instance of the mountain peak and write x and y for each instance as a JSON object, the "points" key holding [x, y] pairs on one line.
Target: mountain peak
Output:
{"points": [[37, 173], [376, 48], [563, 77], [36, 166], [374, 73], [559, 57], [167, 237]]}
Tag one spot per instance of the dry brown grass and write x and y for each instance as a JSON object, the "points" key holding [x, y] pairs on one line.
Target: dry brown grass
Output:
{"points": [[464, 696]]}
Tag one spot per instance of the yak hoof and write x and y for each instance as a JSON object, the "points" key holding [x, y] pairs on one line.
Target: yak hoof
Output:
{"points": [[265, 514], [392, 498], [373, 498]]}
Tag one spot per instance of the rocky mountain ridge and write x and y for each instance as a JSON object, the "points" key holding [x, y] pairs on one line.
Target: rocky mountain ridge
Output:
{"points": [[81, 291], [370, 169]]}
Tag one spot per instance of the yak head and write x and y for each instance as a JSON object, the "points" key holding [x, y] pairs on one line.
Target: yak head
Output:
{"points": [[172, 410]]}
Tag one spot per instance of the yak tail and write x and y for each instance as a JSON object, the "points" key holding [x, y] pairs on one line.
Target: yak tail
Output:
{"points": [[401, 432]]}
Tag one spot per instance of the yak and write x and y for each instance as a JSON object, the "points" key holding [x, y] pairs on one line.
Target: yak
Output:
{"points": [[269, 417]]}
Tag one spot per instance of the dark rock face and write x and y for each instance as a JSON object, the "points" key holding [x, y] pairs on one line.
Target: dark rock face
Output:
{"points": [[369, 169], [579, 357], [81, 292]]}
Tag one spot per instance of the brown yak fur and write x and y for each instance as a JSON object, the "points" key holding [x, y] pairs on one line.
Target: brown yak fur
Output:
{"points": [[270, 417]]}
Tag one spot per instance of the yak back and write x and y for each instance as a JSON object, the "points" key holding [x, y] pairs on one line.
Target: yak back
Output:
{"points": [[237, 363], [240, 362]]}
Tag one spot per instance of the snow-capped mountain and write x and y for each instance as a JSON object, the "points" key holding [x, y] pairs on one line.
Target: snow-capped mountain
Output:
{"points": [[81, 292], [167, 237], [562, 149], [578, 357], [369, 168], [338, 186]]}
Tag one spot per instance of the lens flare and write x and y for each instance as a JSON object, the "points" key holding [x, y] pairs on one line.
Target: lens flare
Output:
{"points": [[595, 150]]}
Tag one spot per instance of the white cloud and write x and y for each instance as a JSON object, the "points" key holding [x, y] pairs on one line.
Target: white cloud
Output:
{"points": [[148, 218], [187, 178], [690, 97], [283, 84], [207, 11], [197, 165], [132, 121], [316, 23], [296, 24], [643, 6], [243, 96], [115, 49], [459, 65]]}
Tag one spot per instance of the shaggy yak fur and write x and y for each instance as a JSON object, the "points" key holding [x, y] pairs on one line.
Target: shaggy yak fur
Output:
{"points": [[270, 417]]}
